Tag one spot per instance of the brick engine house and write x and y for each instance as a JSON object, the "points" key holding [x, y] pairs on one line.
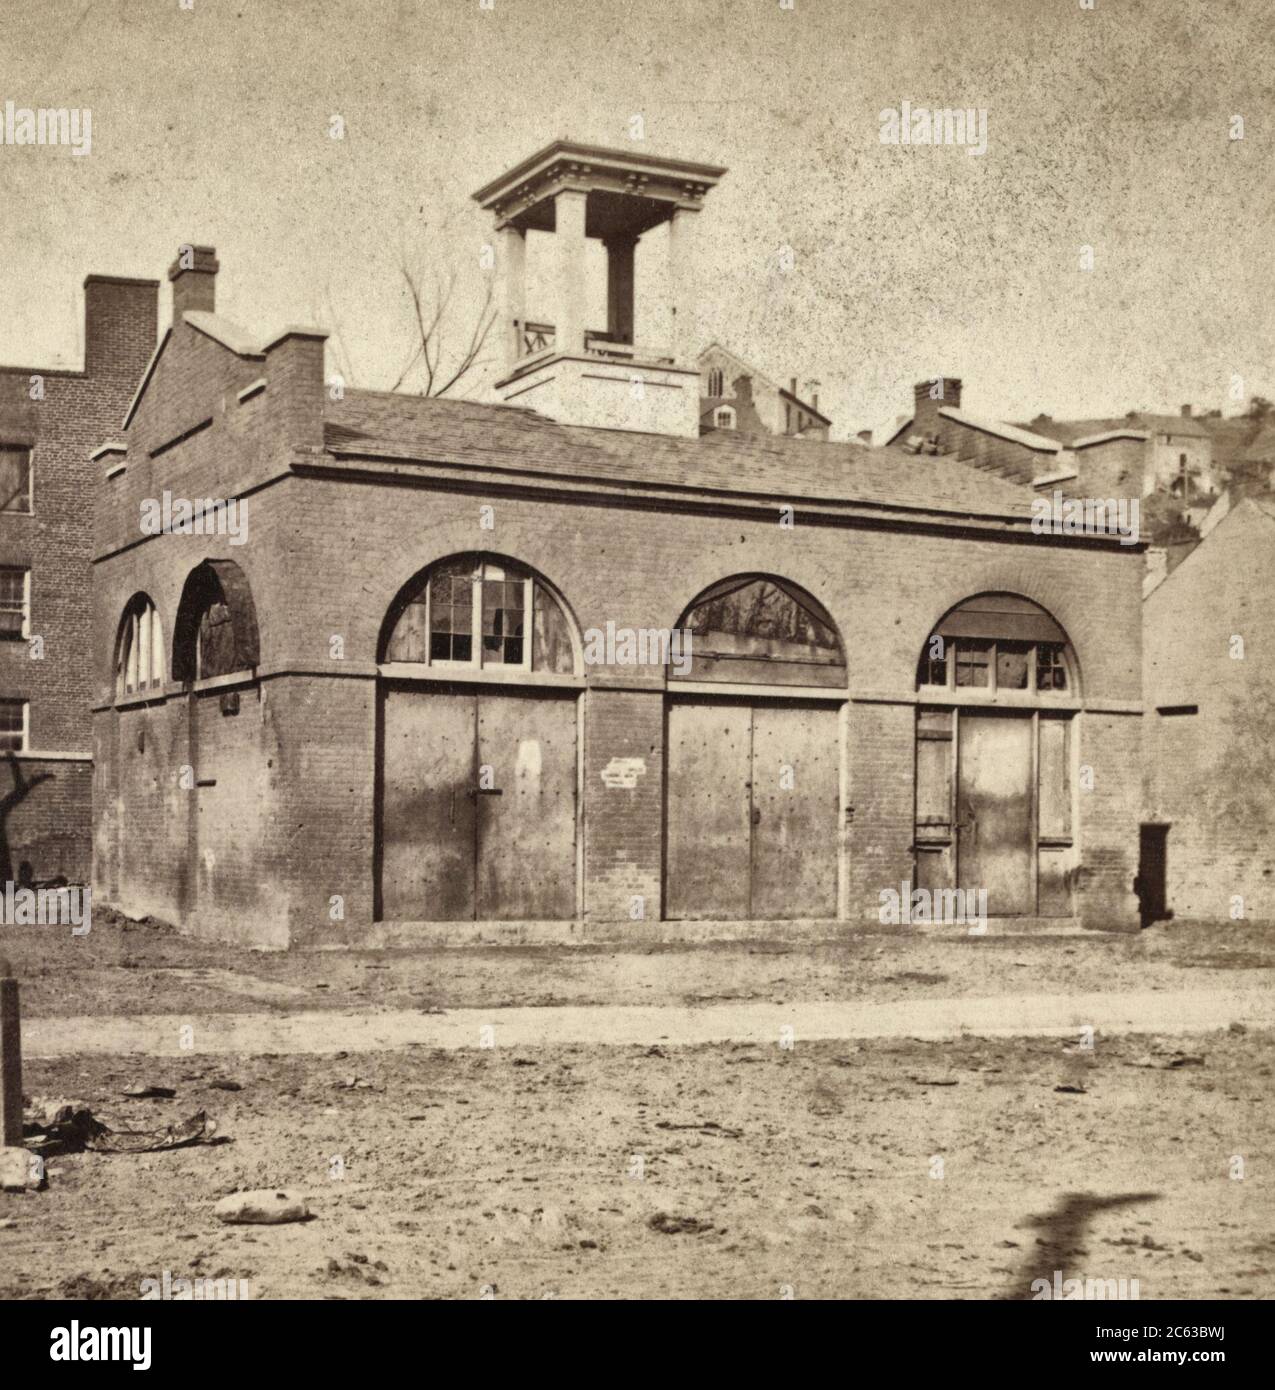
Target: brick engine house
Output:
{"points": [[378, 709]]}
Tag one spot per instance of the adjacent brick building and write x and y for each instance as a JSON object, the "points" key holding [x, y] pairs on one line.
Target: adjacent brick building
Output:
{"points": [[51, 421], [1209, 757], [407, 690]]}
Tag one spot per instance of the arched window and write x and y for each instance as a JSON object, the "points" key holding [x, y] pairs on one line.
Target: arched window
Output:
{"points": [[755, 628], [216, 629], [481, 613], [724, 418], [715, 383], [139, 648], [996, 643]]}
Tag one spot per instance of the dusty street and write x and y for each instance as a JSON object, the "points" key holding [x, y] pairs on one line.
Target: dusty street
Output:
{"points": [[651, 1169]]}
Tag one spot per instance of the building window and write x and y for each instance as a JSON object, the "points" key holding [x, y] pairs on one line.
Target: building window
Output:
{"points": [[481, 614], [724, 419], [715, 382], [998, 642], [787, 418], [139, 659], [15, 604], [994, 666], [15, 478], [215, 632], [13, 726], [1051, 666], [762, 630]]}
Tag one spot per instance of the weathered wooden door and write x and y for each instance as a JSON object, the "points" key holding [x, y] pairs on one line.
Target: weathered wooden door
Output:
{"points": [[478, 806], [796, 796], [707, 863], [994, 811], [428, 807], [753, 797], [526, 840]]}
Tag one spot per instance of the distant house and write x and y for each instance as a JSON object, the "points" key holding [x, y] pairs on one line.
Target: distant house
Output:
{"points": [[760, 406], [1174, 452], [1208, 835]]}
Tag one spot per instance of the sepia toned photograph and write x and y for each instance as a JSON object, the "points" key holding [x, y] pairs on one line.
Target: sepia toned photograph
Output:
{"points": [[637, 663]]}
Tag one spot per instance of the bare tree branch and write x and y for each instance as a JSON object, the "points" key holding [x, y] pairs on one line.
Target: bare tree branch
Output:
{"points": [[434, 317]]}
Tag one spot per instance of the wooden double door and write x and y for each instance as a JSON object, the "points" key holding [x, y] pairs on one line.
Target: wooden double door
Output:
{"points": [[478, 804], [753, 807], [994, 808]]}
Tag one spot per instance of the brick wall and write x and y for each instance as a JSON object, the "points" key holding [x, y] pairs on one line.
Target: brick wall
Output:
{"points": [[331, 546], [1209, 774], [1114, 469], [64, 415]]}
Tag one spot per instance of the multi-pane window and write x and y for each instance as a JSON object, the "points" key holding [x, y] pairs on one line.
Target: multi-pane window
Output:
{"points": [[15, 478], [451, 629], [725, 418], [13, 726], [504, 604], [477, 613], [15, 604], [973, 663], [715, 382], [1051, 666], [980, 664], [140, 659]]}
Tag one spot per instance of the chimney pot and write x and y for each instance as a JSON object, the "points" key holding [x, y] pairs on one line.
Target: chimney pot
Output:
{"points": [[194, 277], [1186, 412]]}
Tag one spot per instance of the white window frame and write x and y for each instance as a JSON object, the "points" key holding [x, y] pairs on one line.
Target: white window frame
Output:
{"points": [[717, 417], [476, 662], [25, 571], [142, 647]]}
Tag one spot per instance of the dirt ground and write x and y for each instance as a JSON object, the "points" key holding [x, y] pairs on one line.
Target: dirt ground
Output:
{"points": [[122, 967], [737, 1170], [540, 1174]]}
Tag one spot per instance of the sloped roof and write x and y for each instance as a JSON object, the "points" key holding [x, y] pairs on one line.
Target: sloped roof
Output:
{"points": [[509, 439], [1069, 431], [1003, 431], [222, 331], [1087, 441]]}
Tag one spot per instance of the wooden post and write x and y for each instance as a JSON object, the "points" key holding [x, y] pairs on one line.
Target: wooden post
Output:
{"points": [[10, 1059]]}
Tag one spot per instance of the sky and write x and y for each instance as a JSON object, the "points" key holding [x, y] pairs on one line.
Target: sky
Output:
{"points": [[1108, 128]]}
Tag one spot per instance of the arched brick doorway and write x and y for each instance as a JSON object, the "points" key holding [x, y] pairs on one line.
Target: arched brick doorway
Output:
{"points": [[754, 755], [478, 748]]}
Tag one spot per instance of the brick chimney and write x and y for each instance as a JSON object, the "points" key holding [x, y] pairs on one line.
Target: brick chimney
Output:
{"points": [[1186, 412], [120, 320], [930, 397], [194, 277]]}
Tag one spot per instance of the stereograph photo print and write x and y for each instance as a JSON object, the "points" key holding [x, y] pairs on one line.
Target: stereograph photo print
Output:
{"points": [[637, 647]]}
